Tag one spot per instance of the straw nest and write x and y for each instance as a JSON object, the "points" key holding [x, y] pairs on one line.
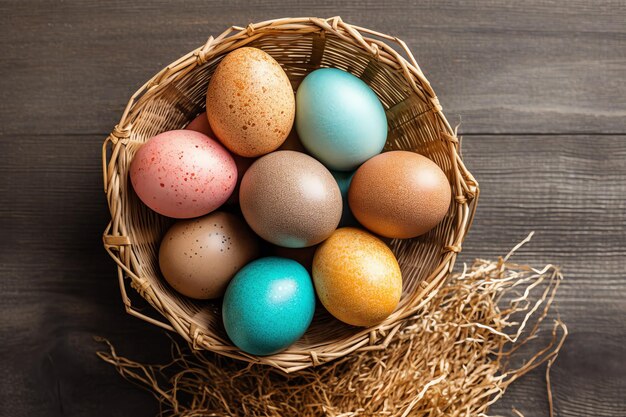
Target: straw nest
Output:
{"points": [[477, 335], [175, 95]]}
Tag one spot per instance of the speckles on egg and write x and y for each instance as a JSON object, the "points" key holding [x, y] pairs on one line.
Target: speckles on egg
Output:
{"points": [[183, 174], [357, 277], [268, 305], [250, 102], [198, 257], [290, 199]]}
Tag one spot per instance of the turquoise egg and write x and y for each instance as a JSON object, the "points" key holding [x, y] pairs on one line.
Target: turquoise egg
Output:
{"points": [[339, 119], [268, 305], [344, 178]]}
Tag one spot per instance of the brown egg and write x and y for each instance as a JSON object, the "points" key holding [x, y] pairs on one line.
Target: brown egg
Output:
{"points": [[399, 194], [250, 103], [290, 199], [201, 124], [198, 257]]}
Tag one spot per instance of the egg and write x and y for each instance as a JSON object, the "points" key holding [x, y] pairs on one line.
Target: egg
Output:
{"points": [[340, 120], [357, 277], [268, 305], [201, 124], [290, 199], [399, 194], [183, 174], [199, 257], [250, 102], [344, 178]]}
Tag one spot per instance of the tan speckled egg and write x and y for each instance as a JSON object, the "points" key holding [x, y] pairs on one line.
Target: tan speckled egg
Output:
{"points": [[198, 257], [290, 199], [250, 102], [357, 277], [399, 194]]}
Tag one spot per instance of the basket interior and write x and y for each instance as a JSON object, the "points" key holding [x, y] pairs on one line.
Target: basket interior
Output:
{"points": [[412, 126]]}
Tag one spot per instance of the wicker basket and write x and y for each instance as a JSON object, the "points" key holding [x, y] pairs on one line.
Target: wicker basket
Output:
{"points": [[176, 94]]}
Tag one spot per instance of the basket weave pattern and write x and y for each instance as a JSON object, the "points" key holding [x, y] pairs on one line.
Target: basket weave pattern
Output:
{"points": [[175, 95]]}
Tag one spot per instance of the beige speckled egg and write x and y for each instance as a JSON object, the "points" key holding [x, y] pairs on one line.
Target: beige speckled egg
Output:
{"points": [[198, 257], [290, 199], [357, 277], [399, 194], [250, 103]]}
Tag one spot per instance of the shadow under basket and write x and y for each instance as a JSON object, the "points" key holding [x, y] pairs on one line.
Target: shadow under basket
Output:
{"points": [[175, 95]]}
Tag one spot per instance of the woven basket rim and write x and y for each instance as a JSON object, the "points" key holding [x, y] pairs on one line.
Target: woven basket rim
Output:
{"points": [[118, 243]]}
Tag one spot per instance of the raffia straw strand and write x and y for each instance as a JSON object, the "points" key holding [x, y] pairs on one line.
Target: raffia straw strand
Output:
{"points": [[549, 385], [434, 365]]}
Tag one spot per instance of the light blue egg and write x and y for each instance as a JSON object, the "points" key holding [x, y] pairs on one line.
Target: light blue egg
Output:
{"points": [[344, 178], [268, 305], [339, 119]]}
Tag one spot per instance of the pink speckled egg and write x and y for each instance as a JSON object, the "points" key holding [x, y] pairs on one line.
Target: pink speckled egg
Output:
{"points": [[183, 174], [201, 124]]}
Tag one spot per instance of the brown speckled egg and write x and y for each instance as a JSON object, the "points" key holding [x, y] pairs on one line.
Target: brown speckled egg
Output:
{"points": [[290, 199], [250, 102], [198, 257], [399, 194], [357, 277]]}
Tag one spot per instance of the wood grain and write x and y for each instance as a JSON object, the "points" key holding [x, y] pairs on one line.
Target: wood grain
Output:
{"points": [[499, 66], [569, 190], [548, 72], [59, 286]]}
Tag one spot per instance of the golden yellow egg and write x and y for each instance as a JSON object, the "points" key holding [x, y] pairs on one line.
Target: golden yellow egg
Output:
{"points": [[357, 277]]}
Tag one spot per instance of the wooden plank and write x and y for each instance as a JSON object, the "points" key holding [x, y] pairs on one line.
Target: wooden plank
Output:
{"points": [[534, 67], [569, 190], [59, 287], [538, 67]]}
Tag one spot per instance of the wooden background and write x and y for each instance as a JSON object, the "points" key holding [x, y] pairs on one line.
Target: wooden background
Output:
{"points": [[539, 87]]}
